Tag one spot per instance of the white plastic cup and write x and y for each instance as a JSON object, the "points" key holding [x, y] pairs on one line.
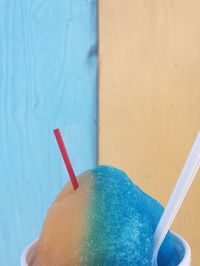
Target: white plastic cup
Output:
{"points": [[29, 252]]}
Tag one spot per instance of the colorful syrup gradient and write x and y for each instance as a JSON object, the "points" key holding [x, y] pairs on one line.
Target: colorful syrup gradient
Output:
{"points": [[107, 221]]}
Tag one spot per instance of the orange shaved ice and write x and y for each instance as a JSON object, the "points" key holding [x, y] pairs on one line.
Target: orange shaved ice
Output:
{"points": [[65, 226]]}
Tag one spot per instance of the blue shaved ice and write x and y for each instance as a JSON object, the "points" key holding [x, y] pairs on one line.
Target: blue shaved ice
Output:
{"points": [[121, 223]]}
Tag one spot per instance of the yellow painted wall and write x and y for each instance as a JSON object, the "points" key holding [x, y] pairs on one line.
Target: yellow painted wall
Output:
{"points": [[150, 97]]}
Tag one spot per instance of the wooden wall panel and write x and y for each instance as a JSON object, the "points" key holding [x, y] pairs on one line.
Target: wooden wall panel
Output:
{"points": [[150, 97], [48, 79]]}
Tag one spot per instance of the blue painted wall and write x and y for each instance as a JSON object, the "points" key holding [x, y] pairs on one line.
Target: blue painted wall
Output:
{"points": [[48, 79]]}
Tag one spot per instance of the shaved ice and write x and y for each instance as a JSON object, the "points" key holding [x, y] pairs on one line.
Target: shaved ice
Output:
{"points": [[107, 221]]}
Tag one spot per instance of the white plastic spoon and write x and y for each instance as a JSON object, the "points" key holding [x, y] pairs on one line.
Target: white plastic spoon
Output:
{"points": [[181, 188]]}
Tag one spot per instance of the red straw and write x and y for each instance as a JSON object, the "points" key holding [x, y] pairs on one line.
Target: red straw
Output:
{"points": [[66, 158]]}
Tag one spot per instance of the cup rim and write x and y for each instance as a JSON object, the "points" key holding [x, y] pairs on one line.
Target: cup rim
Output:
{"points": [[185, 261], [25, 252], [187, 255]]}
